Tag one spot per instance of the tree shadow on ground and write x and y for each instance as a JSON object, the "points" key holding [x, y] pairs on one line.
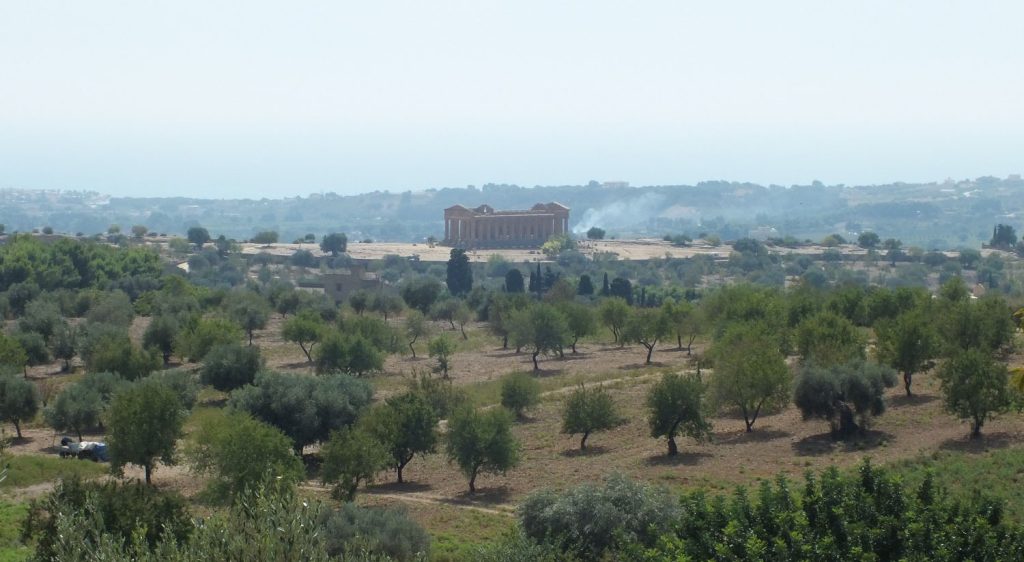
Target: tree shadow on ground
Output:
{"points": [[741, 436], [527, 419], [825, 443], [297, 365], [612, 347], [15, 441], [504, 354], [570, 357], [684, 458], [912, 400], [641, 366], [395, 487], [484, 494], [590, 451], [985, 443], [734, 413]]}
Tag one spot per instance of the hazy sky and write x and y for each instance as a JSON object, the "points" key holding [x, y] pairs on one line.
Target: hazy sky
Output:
{"points": [[259, 98]]}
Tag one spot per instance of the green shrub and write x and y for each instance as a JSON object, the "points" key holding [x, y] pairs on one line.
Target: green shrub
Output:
{"points": [[123, 510], [385, 531], [198, 337], [519, 392], [305, 408], [182, 382], [590, 520], [872, 515], [238, 452], [35, 347], [230, 366]]}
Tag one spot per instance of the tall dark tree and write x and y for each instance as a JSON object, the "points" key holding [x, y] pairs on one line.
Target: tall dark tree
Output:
{"points": [[623, 289], [514, 281], [460, 274], [585, 286], [605, 287], [1003, 237]]}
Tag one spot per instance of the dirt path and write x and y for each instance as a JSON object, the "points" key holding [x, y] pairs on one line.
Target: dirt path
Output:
{"points": [[428, 499]]}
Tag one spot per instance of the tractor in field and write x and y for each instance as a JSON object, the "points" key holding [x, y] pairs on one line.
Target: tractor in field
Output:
{"points": [[86, 450]]}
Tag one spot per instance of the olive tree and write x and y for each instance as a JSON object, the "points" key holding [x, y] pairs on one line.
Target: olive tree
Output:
{"points": [[237, 452], [182, 382], [847, 395], [386, 305], [198, 336], [519, 391], [416, 327], [542, 328], [827, 339], [675, 405], [349, 457], [19, 400], [684, 321], [231, 366], [11, 352], [647, 326], [750, 372], [119, 355], [41, 316], [974, 388], [77, 408], [441, 348], [614, 312], [406, 425], [146, 420], [588, 410], [580, 319], [305, 408], [304, 329], [481, 442], [907, 343], [250, 310], [160, 334], [347, 353]]}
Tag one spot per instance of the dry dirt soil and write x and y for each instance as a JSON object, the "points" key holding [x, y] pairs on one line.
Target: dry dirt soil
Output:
{"points": [[781, 442]]}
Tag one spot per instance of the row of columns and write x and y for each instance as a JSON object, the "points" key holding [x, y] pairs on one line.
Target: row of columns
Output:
{"points": [[504, 228]]}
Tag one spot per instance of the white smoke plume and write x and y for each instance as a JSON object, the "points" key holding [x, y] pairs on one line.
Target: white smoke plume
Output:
{"points": [[621, 214]]}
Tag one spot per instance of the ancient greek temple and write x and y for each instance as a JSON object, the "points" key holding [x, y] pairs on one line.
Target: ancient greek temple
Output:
{"points": [[483, 227]]}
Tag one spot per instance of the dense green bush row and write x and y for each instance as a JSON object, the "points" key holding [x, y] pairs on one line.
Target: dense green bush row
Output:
{"points": [[870, 515]]}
